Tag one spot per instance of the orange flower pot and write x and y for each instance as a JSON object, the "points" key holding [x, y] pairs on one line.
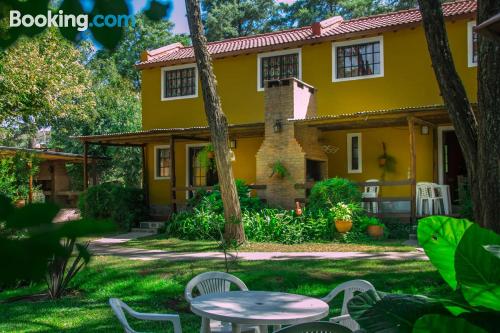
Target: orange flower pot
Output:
{"points": [[375, 231], [343, 226]]}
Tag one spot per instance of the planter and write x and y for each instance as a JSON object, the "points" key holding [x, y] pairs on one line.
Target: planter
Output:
{"points": [[210, 155], [20, 203], [382, 161], [375, 231], [343, 226]]}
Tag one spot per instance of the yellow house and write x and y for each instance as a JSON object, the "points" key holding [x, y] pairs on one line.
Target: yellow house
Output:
{"points": [[322, 100]]}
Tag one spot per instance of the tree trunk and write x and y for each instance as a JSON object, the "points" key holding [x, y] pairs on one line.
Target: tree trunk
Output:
{"points": [[478, 138], [489, 120], [218, 126], [452, 91]]}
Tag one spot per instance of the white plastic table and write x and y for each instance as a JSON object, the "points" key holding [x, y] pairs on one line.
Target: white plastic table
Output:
{"points": [[259, 308]]}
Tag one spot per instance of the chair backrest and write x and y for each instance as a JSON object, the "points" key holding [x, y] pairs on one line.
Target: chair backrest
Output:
{"points": [[349, 288], [212, 282], [315, 327], [372, 188], [117, 306], [425, 190]]}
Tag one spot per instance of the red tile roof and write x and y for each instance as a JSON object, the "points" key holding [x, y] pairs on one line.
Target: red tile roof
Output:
{"points": [[175, 53]]}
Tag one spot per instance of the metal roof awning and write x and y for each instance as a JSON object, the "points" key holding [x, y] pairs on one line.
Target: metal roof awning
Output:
{"points": [[139, 138], [431, 114]]}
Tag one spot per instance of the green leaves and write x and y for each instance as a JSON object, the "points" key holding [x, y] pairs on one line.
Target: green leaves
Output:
{"points": [[477, 270], [439, 236], [445, 324]]}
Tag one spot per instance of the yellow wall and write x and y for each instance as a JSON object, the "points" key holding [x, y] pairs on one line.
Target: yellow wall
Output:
{"points": [[160, 189], [397, 143], [408, 81]]}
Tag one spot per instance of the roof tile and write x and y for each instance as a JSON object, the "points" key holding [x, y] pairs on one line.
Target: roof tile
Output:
{"points": [[241, 44]]}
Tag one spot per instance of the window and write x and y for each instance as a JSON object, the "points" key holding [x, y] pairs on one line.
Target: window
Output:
{"points": [[354, 160], [278, 65], [360, 59], [471, 44], [179, 82], [162, 162]]}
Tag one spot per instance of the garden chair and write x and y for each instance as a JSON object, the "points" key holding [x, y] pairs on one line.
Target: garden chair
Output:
{"points": [[349, 288], [119, 308], [371, 192], [315, 327], [428, 196], [215, 282]]}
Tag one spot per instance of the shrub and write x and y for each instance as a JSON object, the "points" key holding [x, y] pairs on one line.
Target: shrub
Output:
{"points": [[328, 193], [396, 229], [14, 175], [123, 205]]}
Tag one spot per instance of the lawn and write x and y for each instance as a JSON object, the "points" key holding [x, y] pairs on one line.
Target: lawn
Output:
{"points": [[162, 242], [157, 286]]}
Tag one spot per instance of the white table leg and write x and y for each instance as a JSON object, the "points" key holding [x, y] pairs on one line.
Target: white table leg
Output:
{"points": [[236, 328], [205, 325], [262, 328]]}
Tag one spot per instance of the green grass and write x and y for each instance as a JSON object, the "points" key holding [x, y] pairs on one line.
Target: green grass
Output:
{"points": [[161, 242], [157, 286]]}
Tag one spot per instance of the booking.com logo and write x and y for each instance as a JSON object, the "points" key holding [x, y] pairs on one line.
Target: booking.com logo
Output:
{"points": [[81, 21]]}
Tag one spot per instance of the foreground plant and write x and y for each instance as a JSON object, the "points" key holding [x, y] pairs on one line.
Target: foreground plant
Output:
{"points": [[33, 248], [467, 257]]}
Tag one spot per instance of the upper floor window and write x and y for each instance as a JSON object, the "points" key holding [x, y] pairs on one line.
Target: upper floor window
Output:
{"points": [[278, 65], [359, 59], [471, 44], [179, 82], [162, 162], [354, 156]]}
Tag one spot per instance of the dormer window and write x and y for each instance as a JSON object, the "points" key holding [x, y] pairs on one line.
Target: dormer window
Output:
{"points": [[471, 44], [358, 59], [179, 82], [278, 65]]}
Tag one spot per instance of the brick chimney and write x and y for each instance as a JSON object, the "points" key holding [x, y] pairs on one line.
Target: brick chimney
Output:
{"points": [[332, 22], [291, 144]]}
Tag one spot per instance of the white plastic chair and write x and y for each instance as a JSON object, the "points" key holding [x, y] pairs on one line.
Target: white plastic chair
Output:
{"points": [[315, 327], [215, 282], [349, 288], [119, 306], [371, 192], [429, 196]]}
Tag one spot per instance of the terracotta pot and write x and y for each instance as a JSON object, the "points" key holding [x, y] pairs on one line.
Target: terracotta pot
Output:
{"points": [[20, 203], [343, 226], [298, 209], [210, 155], [382, 161], [375, 231]]}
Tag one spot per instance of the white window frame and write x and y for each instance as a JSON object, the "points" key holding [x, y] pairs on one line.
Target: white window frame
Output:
{"points": [[470, 48], [156, 148], [349, 153], [273, 54], [173, 68], [336, 45]]}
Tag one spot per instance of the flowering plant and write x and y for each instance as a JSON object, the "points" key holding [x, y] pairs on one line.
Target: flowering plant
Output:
{"points": [[342, 211]]}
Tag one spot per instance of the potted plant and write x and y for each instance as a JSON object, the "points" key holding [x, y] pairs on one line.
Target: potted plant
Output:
{"points": [[386, 162], [374, 228], [342, 215], [279, 170], [205, 157]]}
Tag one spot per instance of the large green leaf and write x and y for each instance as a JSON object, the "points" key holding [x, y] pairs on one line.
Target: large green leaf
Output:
{"points": [[444, 324], [478, 270], [439, 236], [391, 313]]}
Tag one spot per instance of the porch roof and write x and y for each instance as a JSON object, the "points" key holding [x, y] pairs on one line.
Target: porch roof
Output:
{"points": [[432, 115], [46, 155], [140, 138]]}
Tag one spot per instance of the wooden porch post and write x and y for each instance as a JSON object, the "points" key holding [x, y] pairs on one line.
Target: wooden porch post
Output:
{"points": [[413, 168], [85, 166], [30, 183], [172, 174], [145, 177], [52, 169], [435, 150]]}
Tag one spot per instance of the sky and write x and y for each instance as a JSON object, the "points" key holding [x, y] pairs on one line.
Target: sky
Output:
{"points": [[178, 14]]}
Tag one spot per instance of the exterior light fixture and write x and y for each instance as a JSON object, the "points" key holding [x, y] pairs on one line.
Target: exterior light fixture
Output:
{"points": [[232, 144], [277, 126], [424, 130]]}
